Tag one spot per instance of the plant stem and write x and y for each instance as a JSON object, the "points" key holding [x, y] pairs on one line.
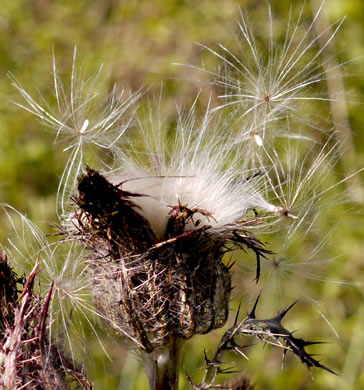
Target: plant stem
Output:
{"points": [[162, 366]]}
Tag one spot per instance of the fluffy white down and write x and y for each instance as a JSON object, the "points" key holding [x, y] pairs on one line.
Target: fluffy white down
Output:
{"points": [[199, 167], [223, 196], [222, 203]]}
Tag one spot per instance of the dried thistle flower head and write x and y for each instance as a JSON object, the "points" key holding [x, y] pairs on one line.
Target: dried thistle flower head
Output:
{"points": [[28, 357], [155, 289]]}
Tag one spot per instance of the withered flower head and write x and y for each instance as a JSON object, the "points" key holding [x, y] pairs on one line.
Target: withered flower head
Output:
{"points": [[28, 357], [152, 288]]}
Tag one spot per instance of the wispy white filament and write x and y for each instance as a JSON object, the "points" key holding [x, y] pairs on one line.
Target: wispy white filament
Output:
{"points": [[264, 86], [197, 168], [61, 264], [81, 119]]}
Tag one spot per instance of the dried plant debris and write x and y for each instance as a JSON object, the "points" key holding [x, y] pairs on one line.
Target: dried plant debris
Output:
{"points": [[270, 331], [8, 292], [151, 289], [216, 365], [242, 383], [28, 358]]}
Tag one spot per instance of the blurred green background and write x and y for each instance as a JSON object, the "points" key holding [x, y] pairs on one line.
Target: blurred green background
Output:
{"points": [[137, 41]]}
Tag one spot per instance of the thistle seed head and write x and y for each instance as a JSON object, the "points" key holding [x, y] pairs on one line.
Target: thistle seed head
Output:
{"points": [[154, 289]]}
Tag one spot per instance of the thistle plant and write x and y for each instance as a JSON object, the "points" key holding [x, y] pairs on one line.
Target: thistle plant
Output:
{"points": [[152, 220], [29, 359]]}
